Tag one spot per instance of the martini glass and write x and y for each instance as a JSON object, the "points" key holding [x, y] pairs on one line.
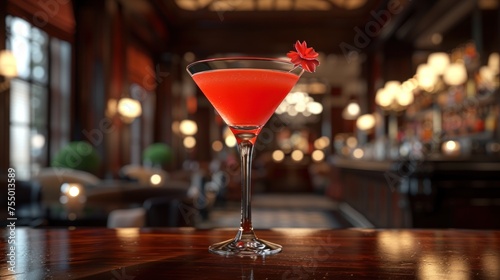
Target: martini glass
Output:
{"points": [[245, 91]]}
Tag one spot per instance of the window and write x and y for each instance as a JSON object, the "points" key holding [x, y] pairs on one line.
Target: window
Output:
{"points": [[33, 115]]}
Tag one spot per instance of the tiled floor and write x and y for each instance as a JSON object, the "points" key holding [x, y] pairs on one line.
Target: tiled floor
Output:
{"points": [[281, 211]]}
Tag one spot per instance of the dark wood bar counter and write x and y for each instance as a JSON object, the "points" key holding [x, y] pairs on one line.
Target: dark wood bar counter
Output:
{"points": [[181, 253], [432, 193]]}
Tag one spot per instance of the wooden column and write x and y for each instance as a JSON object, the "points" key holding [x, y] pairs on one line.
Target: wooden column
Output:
{"points": [[99, 51], [162, 129]]}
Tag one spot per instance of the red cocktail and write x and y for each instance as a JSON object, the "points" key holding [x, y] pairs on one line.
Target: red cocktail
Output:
{"points": [[245, 98], [245, 91]]}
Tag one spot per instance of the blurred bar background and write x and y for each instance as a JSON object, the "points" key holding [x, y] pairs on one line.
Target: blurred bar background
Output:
{"points": [[398, 128]]}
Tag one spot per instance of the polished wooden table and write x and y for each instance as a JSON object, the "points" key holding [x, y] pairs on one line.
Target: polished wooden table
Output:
{"points": [[181, 253]]}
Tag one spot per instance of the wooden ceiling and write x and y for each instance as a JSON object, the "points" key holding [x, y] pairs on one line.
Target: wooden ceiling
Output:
{"points": [[246, 27], [270, 30]]}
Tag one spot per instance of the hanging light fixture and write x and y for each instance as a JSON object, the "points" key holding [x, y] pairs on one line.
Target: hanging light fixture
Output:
{"points": [[365, 122], [494, 62], [455, 74], [438, 61], [382, 98], [426, 77], [404, 98]]}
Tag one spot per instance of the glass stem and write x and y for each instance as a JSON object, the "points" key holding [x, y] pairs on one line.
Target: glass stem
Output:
{"points": [[246, 151]]}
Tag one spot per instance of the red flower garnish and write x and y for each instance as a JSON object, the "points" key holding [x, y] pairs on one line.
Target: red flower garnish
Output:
{"points": [[305, 57]]}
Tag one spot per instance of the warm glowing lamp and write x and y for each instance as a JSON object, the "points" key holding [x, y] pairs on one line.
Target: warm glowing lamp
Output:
{"points": [[155, 179], [455, 74], [189, 142], [8, 67], [365, 122], [318, 155], [278, 155], [392, 87], [392, 90], [487, 74], [404, 98], [358, 153], [382, 98], [217, 146], [426, 76], [351, 111], [438, 61], [230, 141], [188, 127], [297, 155], [129, 108], [451, 148], [314, 108], [494, 62]]}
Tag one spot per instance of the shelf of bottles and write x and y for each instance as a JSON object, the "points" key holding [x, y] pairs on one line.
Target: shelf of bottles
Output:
{"points": [[456, 107]]}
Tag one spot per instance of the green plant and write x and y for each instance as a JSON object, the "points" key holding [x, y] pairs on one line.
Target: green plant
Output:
{"points": [[78, 155], [157, 154]]}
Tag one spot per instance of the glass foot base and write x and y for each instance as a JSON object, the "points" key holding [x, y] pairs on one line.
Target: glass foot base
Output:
{"points": [[253, 248]]}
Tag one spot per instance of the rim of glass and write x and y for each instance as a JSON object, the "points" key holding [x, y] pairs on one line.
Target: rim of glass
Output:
{"points": [[235, 58], [242, 58]]}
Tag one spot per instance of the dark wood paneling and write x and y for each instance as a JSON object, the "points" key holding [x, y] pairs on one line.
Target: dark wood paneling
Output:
{"points": [[4, 109]]}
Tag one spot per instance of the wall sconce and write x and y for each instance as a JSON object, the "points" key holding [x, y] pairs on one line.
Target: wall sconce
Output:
{"points": [[8, 68], [129, 108], [188, 127]]}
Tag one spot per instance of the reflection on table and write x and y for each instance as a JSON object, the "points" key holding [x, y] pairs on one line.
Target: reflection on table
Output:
{"points": [[181, 253]]}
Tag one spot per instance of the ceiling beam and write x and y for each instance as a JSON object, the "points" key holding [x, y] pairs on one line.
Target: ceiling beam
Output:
{"points": [[446, 15]]}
